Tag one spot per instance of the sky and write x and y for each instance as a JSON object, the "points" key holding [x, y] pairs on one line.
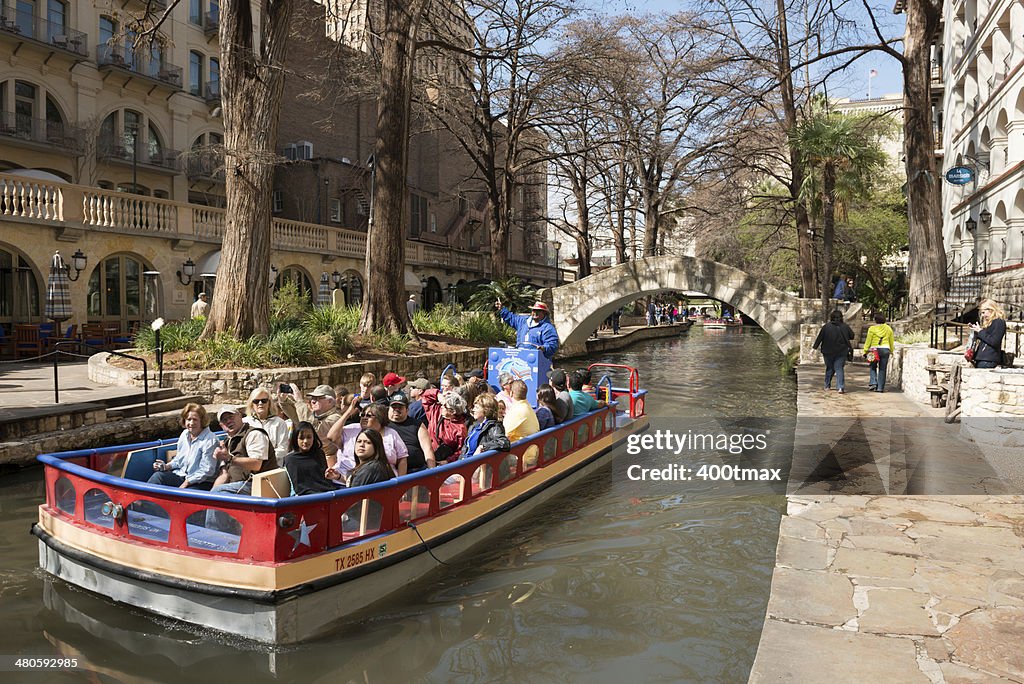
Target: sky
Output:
{"points": [[852, 83]]}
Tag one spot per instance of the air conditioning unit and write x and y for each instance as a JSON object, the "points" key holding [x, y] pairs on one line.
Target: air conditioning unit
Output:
{"points": [[304, 150], [290, 152]]}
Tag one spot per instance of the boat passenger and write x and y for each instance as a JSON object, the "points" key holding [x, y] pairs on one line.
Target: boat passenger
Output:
{"points": [[193, 464], [375, 417], [321, 411], [366, 381], [373, 466], [505, 382], [502, 406], [520, 419], [476, 377], [413, 432], [535, 330], [487, 432], [306, 463], [393, 382], [446, 422], [416, 388], [588, 378], [546, 407], [582, 402], [563, 402], [244, 452], [378, 395], [261, 411], [449, 381]]}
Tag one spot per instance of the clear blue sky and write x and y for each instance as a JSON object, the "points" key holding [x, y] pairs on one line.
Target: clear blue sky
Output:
{"points": [[853, 82]]}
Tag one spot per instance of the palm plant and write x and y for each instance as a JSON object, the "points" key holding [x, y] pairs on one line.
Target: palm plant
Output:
{"points": [[842, 155], [511, 292]]}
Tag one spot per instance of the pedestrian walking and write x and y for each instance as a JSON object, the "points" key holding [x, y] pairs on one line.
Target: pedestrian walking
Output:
{"points": [[879, 345], [836, 341]]}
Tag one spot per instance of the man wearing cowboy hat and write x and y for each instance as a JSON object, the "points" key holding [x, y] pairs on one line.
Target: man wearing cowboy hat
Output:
{"points": [[535, 330]]}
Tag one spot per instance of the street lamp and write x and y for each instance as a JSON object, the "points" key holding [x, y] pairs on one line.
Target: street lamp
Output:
{"points": [[156, 325], [558, 246], [78, 261], [188, 269], [451, 293], [336, 279], [985, 216], [971, 225], [272, 276]]}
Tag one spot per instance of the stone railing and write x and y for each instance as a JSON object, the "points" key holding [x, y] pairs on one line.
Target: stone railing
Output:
{"points": [[28, 198]]}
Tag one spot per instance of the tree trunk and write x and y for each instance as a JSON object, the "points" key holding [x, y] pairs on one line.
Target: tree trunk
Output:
{"points": [[252, 81], [384, 307], [828, 221], [651, 223], [619, 228], [927, 270], [805, 244], [582, 235], [499, 237]]}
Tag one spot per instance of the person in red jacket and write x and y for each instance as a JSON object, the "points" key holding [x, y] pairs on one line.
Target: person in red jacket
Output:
{"points": [[446, 421]]}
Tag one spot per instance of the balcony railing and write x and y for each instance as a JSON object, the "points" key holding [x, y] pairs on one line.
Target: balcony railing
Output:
{"points": [[211, 93], [141, 215], [203, 165], [114, 149], [26, 24], [55, 133], [936, 73], [211, 23], [127, 58]]}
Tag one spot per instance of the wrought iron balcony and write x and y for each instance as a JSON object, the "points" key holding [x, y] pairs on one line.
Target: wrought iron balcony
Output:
{"points": [[25, 24], [54, 133], [120, 150], [205, 165], [211, 93], [211, 23], [127, 58]]}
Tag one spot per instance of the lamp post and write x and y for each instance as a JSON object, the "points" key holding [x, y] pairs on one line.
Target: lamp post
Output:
{"points": [[558, 246], [336, 279], [156, 325], [188, 269], [985, 217], [451, 293], [272, 276], [78, 261]]}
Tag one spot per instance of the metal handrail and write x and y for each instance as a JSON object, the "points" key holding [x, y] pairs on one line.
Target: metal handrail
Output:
{"points": [[57, 351]]}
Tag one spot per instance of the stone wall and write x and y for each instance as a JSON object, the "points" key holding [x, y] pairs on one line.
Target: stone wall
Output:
{"points": [[914, 378], [1007, 288], [218, 386]]}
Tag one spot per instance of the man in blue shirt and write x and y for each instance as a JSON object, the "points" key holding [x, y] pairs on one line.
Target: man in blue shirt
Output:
{"points": [[535, 330], [582, 402]]}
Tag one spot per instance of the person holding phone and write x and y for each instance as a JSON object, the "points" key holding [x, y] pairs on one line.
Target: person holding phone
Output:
{"points": [[990, 335]]}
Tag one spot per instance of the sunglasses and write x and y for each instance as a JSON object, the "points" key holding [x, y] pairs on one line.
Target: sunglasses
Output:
{"points": [[261, 401], [368, 415]]}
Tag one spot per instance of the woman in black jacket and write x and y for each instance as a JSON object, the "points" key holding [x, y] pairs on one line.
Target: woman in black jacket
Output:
{"points": [[487, 433], [306, 463], [836, 340], [989, 353]]}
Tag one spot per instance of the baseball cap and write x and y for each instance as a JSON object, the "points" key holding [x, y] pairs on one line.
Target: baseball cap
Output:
{"points": [[557, 377], [399, 398], [505, 378], [322, 391], [475, 373], [225, 410], [541, 306], [391, 379], [419, 383]]}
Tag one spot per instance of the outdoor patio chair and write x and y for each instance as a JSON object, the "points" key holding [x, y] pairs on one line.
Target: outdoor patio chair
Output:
{"points": [[27, 341], [70, 334], [94, 336]]}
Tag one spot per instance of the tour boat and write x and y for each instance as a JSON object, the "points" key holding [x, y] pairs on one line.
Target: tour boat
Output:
{"points": [[283, 570]]}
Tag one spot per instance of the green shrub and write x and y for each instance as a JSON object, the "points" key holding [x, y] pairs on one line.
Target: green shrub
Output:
{"points": [[288, 304], [391, 342], [299, 347], [484, 328], [513, 293], [914, 337], [441, 320], [175, 337], [226, 351]]}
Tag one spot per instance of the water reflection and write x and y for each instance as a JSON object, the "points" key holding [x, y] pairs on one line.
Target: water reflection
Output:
{"points": [[612, 583]]}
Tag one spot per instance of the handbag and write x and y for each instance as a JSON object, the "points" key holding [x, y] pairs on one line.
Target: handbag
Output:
{"points": [[973, 342], [872, 356]]}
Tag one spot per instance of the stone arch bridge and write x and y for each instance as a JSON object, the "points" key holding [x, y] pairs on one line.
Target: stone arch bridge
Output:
{"points": [[578, 308]]}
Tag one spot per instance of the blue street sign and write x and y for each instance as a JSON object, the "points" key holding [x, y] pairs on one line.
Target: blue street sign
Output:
{"points": [[960, 175]]}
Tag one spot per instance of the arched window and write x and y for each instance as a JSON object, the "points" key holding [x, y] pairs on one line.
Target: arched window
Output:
{"points": [[129, 135], [116, 291], [295, 275], [19, 288], [352, 286]]}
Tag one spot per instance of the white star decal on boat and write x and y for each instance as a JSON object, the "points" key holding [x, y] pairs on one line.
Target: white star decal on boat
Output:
{"points": [[301, 533]]}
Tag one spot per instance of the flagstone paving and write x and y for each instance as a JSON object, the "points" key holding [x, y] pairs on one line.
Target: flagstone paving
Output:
{"points": [[916, 575]]}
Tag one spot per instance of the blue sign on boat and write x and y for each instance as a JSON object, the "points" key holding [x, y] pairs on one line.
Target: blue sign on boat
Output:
{"points": [[960, 175]]}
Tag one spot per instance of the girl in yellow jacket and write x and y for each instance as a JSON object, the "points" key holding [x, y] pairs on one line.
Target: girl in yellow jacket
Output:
{"points": [[880, 336]]}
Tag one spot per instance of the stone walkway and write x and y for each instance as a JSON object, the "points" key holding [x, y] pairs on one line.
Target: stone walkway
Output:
{"points": [[884, 586], [31, 385]]}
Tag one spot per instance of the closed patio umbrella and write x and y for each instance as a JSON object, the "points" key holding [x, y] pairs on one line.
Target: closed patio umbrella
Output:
{"points": [[58, 291], [323, 297]]}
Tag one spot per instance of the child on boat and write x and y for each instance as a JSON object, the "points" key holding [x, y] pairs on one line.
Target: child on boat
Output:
{"points": [[306, 463]]}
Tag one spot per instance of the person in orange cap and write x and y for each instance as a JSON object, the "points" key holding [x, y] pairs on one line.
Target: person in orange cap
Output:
{"points": [[533, 330]]}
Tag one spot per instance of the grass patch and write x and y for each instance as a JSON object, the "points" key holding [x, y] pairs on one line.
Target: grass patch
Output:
{"points": [[915, 336]]}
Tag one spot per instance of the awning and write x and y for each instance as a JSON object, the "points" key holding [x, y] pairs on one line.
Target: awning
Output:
{"points": [[206, 267], [412, 282]]}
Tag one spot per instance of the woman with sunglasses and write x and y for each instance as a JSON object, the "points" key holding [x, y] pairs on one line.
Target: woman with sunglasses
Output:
{"points": [[373, 417], [261, 412], [989, 353]]}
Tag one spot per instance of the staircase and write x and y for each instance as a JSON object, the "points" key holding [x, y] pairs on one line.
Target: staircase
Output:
{"points": [[964, 290], [160, 401]]}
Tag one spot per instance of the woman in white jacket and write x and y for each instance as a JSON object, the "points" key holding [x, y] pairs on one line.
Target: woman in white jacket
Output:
{"points": [[261, 411]]}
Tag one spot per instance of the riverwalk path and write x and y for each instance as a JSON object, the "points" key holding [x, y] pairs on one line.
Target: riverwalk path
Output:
{"points": [[901, 556]]}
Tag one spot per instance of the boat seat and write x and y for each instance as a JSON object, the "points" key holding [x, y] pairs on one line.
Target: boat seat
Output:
{"points": [[138, 464], [272, 484]]}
